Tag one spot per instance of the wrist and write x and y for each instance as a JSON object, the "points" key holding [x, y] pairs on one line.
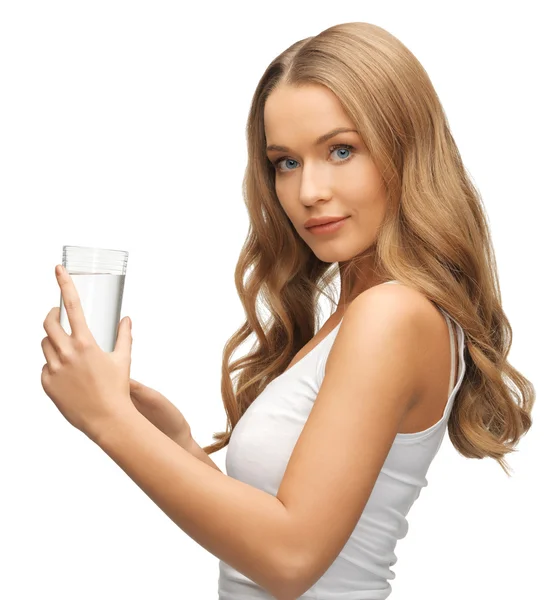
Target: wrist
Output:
{"points": [[186, 441], [101, 431]]}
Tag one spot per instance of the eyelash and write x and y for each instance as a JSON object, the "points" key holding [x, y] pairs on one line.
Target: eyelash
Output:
{"points": [[332, 149]]}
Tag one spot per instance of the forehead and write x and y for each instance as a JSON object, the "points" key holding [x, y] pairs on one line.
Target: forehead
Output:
{"points": [[310, 110]]}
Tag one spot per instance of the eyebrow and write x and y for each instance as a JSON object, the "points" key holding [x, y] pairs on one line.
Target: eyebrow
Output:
{"points": [[320, 140]]}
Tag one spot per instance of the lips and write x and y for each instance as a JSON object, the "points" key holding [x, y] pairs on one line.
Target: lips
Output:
{"points": [[316, 221], [327, 228]]}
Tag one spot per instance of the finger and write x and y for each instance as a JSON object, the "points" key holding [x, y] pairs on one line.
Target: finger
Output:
{"points": [[58, 338], [137, 391], [52, 360], [124, 339], [76, 317]]}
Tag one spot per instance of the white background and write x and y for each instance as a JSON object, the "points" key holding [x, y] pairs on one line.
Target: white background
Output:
{"points": [[122, 125]]}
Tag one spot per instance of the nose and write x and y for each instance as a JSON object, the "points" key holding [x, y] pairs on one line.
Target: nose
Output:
{"points": [[315, 184]]}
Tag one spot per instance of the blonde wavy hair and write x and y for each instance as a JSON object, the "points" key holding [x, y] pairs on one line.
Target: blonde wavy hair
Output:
{"points": [[434, 237]]}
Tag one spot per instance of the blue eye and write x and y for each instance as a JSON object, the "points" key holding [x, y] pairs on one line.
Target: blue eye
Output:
{"points": [[332, 149]]}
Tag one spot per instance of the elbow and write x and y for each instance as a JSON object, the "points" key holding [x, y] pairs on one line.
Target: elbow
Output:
{"points": [[291, 581], [289, 563]]}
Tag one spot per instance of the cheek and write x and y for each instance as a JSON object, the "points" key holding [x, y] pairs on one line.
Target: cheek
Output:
{"points": [[366, 192], [369, 217], [362, 181]]}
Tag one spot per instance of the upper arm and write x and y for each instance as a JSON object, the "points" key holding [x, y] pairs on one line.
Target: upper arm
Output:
{"points": [[371, 381]]}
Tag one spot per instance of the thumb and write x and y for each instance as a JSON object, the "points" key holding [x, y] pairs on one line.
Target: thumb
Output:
{"points": [[124, 339]]}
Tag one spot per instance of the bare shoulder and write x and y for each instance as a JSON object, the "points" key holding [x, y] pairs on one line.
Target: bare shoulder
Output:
{"points": [[404, 315], [387, 321], [398, 299]]}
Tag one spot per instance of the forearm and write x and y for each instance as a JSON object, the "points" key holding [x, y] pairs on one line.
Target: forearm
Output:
{"points": [[241, 525], [194, 449]]}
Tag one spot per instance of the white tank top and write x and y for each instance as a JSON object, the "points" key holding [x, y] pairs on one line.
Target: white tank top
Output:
{"points": [[258, 453]]}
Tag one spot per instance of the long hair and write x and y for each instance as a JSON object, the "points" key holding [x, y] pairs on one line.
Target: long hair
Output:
{"points": [[434, 237]]}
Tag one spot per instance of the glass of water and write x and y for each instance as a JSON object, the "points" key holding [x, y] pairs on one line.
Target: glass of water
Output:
{"points": [[98, 275]]}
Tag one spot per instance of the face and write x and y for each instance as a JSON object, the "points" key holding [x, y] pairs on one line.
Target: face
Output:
{"points": [[332, 178]]}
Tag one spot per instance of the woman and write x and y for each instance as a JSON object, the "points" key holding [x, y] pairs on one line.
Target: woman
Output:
{"points": [[331, 435], [414, 217]]}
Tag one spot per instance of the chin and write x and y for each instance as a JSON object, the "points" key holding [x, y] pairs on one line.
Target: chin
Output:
{"points": [[332, 255]]}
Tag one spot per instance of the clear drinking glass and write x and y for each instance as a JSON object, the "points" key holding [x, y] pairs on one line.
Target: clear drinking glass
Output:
{"points": [[99, 276]]}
